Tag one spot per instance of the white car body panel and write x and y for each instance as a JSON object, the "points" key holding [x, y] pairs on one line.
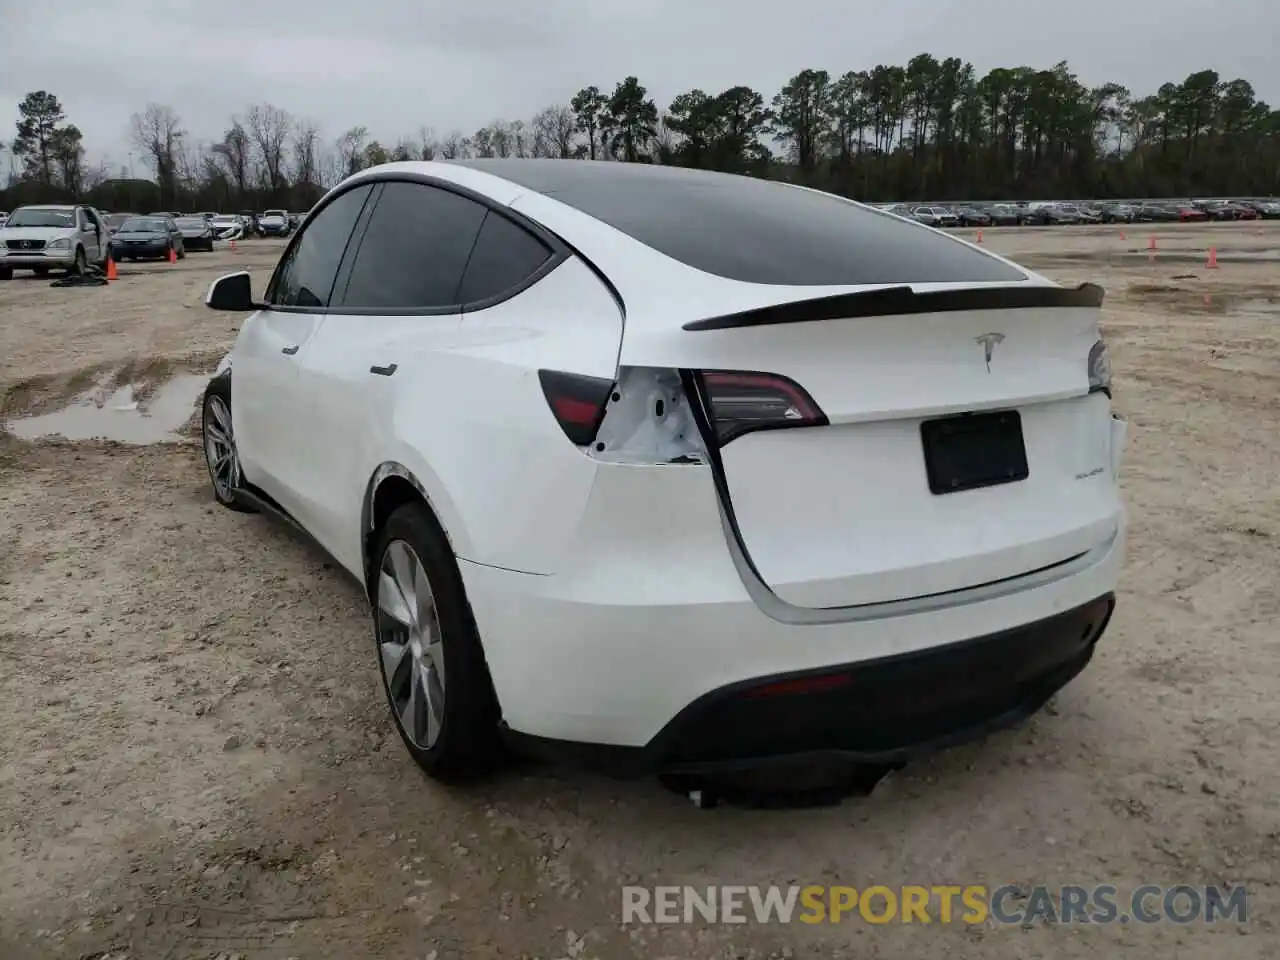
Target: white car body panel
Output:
{"points": [[267, 407], [504, 499], [579, 657], [792, 487], [576, 567]]}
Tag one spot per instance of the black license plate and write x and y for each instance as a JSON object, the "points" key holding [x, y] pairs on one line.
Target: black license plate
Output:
{"points": [[974, 450]]}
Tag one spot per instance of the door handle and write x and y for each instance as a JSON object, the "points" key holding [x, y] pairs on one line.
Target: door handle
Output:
{"points": [[386, 371], [290, 351]]}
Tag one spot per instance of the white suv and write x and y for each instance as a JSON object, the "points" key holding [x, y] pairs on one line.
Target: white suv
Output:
{"points": [[669, 469]]}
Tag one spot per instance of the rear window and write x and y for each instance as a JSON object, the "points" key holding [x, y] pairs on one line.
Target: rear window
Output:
{"points": [[758, 231]]}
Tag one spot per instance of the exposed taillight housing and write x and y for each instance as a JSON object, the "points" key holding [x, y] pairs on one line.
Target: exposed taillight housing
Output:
{"points": [[1100, 368], [578, 402], [743, 402]]}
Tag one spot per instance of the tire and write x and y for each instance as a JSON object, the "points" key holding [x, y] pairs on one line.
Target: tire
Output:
{"points": [[40, 271], [6, 273], [215, 435], [466, 744]]}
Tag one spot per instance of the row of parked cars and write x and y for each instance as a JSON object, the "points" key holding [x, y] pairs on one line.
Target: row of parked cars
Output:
{"points": [[269, 223], [1053, 213], [72, 237]]}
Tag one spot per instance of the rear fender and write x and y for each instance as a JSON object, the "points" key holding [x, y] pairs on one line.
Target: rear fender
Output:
{"points": [[429, 487]]}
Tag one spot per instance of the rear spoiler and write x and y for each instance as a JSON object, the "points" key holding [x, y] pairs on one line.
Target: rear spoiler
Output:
{"points": [[897, 301]]}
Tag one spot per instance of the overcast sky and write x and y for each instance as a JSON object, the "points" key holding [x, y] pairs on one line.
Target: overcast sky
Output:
{"points": [[394, 65]]}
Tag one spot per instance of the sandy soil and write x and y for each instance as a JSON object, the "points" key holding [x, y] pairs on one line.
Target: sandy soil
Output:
{"points": [[195, 760]]}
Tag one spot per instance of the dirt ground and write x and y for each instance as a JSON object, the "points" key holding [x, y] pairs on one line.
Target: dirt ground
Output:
{"points": [[195, 760]]}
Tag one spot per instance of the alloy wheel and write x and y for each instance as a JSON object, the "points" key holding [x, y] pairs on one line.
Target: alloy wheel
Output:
{"points": [[410, 644], [220, 448]]}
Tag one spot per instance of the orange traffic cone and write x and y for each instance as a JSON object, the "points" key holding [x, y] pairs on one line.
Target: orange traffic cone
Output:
{"points": [[979, 236], [1151, 242], [111, 269], [1212, 264], [173, 256], [1122, 235], [233, 246]]}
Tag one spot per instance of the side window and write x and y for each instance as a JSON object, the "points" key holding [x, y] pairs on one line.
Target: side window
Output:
{"points": [[414, 249], [505, 255], [306, 277]]}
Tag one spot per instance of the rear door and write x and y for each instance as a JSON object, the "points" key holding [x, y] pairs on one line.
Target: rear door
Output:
{"points": [[430, 360], [269, 414], [395, 310]]}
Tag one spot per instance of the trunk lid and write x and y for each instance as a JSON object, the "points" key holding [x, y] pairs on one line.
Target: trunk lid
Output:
{"points": [[844, 514]]}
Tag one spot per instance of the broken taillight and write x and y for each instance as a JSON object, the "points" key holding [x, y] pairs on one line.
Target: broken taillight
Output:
{"points": [[578, 402], [744, 402]]}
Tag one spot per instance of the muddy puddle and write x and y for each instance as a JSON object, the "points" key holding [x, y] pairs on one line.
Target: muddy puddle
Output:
{"points": [[125, 414]]}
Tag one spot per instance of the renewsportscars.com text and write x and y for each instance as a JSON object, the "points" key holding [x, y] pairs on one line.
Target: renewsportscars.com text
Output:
{"points": [[939, 903]]}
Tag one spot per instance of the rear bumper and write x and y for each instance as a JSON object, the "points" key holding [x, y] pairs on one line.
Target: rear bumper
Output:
{"points": [[879, 711], [647, 624], [121, 250]]}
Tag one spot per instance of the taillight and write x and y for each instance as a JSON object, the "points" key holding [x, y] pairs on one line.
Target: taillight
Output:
{"points": [[578, 402], [744, 402]]}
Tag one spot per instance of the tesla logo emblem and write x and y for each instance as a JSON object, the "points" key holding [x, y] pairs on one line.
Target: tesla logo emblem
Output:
{"points": [[989, 341]]}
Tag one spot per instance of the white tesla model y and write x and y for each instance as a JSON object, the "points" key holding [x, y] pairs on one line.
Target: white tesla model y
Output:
{"points": [[671, 470]]}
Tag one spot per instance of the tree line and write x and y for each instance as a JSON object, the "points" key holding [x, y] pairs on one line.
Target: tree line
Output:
{"points": [[930, 129]]}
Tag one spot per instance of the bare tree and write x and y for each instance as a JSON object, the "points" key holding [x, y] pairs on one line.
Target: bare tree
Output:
{"points": [[157, 133], [453, 147], [521, 141], [306, 146], [428, 146], [234, 151], [330, 165], [482, 143], [351, 149], [189, 166], [269, 129], [501, 141], [403, 150], [553, 131]]}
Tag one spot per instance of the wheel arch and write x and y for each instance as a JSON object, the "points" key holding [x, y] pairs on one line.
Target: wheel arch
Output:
{"points": [[391, 485]]}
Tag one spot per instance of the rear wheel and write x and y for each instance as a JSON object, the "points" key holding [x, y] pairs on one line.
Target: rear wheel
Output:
{"points": [[6, 273], [40, 271], [429, 652]]}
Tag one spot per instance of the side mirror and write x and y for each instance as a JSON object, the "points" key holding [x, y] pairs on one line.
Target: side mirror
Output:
{"points": [[234, 292]]}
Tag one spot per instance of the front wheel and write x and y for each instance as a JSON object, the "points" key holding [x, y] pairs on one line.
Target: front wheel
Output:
{"points": [[219, 438], [429, 653]]}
